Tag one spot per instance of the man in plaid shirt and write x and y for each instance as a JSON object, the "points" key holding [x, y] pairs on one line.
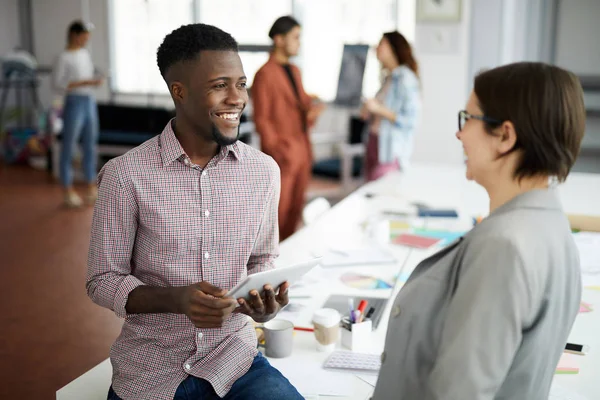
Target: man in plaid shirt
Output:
{"points": [[180, 220]]}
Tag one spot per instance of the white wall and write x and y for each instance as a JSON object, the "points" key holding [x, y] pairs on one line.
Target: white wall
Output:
{"points": [[9, 26], [578, 36], [444, 69]]}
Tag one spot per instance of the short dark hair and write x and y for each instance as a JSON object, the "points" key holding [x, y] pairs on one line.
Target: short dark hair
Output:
{"points": [[186, 42], [545, 105], [77, 28], [282, 26]]}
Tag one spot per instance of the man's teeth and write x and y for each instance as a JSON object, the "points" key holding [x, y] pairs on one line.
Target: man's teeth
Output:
{"points": [[231, 117]]}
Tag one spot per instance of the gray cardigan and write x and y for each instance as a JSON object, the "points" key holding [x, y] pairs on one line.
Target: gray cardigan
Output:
{"points": [[488, 316]]}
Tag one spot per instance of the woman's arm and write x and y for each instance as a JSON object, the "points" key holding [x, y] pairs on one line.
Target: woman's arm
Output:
{"points": [[483, 327]]}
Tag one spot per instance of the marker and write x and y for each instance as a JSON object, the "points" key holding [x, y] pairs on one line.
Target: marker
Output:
{"points": [[370, 313], [361, 308]]}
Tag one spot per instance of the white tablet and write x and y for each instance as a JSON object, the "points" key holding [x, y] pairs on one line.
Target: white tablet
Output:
{"points": [[274, 277]]}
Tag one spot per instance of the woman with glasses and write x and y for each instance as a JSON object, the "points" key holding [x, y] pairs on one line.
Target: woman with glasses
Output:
{"points": [[488, 316], [392, 115]]}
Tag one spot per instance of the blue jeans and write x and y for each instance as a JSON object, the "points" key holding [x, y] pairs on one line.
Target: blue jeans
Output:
{"points": [[80, 120], [262, 381]]}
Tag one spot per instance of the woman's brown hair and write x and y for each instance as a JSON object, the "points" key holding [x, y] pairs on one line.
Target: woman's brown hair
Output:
{"points": [[402, 50], [545, 105]]}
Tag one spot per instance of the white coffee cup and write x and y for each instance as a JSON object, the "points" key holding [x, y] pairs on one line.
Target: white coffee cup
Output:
{"points": [[327, 328], [279, 335]]}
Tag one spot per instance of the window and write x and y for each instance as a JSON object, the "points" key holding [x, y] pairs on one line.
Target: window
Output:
{"points": [[139, 26], [248, 21], [327, 26]]}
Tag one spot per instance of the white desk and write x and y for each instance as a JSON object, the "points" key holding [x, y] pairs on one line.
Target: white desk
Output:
{"points": [[344, 226]]}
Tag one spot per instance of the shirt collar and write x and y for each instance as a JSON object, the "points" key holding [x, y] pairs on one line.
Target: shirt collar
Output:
{"points": [[171, 150], [538, 198]]}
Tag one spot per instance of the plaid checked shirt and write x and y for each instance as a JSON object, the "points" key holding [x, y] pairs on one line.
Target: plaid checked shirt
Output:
{"points": [[162, 221]]}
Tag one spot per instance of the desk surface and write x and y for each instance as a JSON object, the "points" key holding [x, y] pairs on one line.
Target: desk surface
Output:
{"points": [[442, 187], [355, 222]]}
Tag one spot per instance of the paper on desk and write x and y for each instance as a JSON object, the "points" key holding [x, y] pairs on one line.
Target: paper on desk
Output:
{"points": [[558, 392], [357, 256], [588, 244], [313, 381], [371, 379], [568, 364]]}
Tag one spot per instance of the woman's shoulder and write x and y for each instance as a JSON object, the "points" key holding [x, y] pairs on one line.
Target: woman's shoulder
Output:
{"points": [[405, 76]]}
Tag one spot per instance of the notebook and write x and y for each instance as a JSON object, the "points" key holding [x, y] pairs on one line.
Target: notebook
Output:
{"points": [[353, 361]]}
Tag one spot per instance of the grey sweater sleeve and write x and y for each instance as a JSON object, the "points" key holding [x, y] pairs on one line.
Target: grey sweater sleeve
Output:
{"points": [[483, 328]]}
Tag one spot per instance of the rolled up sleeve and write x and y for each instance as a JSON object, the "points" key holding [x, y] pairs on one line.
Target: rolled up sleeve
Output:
{"points": [[114, 227]]}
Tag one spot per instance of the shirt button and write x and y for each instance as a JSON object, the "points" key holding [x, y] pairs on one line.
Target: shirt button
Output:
{"points": [[188, 366], [200, 335], [203, 173], [206, 213], [187, 162], [206, 255], [383, 357], [396, 311]]}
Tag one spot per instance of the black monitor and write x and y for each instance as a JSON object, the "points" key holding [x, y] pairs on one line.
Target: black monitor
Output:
{"points": [[352, 72]]}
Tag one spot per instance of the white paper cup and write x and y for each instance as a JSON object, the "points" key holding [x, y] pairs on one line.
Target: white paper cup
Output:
{"points": [[327, 328]]}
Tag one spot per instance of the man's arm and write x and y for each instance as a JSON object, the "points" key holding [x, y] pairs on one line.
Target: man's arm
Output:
{"points": [[313, 110], [266, 246], [484, 323], [262, 100], [264, 306], [110, 281], [114, 228]]}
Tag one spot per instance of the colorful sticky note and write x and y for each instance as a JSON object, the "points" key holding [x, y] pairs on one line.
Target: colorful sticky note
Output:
{"points": [[585, 307], [568, 364], [446, 236], [420, 242], [593, 287]]}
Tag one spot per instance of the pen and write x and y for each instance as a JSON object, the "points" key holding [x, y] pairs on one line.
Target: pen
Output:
{"points": [[351, 309], [370, 313]]}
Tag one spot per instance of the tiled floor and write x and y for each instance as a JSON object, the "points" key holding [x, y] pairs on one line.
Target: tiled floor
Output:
{"points": [[51, 332]]}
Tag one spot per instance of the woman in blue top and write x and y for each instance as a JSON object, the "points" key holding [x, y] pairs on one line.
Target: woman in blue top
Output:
{"points": [[393, 114]]}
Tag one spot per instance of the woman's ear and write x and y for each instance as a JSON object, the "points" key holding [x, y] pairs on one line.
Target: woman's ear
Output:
{"points": [[506, 138]]}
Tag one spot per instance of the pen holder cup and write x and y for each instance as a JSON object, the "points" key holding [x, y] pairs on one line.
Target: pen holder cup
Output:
{"points": [[356, 337]]}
